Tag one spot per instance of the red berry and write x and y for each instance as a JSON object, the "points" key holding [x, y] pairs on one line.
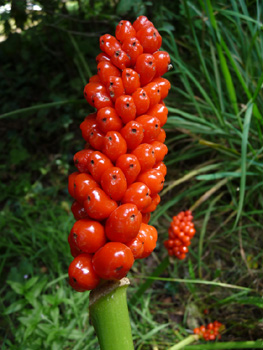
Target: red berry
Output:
{"points": [[141, 101], [133, 134], [98, 164], [133, 48], [88, 235], [123, 224], [125, 108], [146, 68], [115, 87], [151, 127], [120, 59], [139, 194], [114, 145], [98, 204], [78, 211], [131, 80], [160, 150], [159, 111], [149, 38], [108, 120], [81, 159], [114, 183], [141, 22], [153, 179], [81, 273], [163, 62], [124, 30], [106, 70], [113, 261], [83, 184], [109, 44], [145, 155], [130, 166]]}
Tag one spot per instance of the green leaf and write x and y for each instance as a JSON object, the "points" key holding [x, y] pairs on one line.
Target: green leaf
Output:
{"points": [[123, 7], [16, 306]]}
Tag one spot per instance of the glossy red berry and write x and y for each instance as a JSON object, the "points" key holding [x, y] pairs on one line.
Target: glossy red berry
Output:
{"points": [[108, 120], [130, 166], [141, 22], [131, 80], [149, 38], [115, 87], [151, 127], [102, 57], [154, 93], [124, 30], [153, 179], [78, 211], [123, 224], [145, 155], [133, 134], [113, 261], [114, 183], [163, 62], [133, 48], [88, 235], [109, 44], [146, 68], [125, 108], [91, 89], [98, 164], [81, 159], [106, 70], [139, 194], [120, 59], [160, 150], [141, 101], [114, 145], [99, 205], [159, 111], [81, 273], [83, 184], [164, 86]]}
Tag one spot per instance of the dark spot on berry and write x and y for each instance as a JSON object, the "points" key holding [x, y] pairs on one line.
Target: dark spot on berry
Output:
{"points": [[150, 63], [102, 41], [127, 105], [117, 53], [98, 69], [118, 268], [154, 34], [158, 91], [91, 134], [132, 217], [144, 94], [128, 75], [110, 138], [88, 198], [131, 165], [104, 120], [92, 161], [134, 131], [75, 235], [134, 43], [111, 83], [147, 194], [156, 126], [85, 94], [114, 177], [74, 280], [153, 152], [112, 94]]}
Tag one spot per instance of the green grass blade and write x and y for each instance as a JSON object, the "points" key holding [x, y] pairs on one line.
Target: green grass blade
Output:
{"points": [[244, 160]]}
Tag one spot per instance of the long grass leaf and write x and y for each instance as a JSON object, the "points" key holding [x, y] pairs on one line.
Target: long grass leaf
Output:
{"points": [[244, 160]]}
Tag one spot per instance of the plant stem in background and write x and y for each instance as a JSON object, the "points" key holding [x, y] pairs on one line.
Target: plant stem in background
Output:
{"points": [[228, 345], [110, 317], [184, 342]]}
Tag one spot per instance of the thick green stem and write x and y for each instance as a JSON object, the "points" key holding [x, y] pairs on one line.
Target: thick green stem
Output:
{"points": [[110, 317]]}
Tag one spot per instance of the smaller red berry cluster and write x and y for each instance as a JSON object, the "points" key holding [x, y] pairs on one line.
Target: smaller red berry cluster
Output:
{"points": [[181, 231], [211, 331]]}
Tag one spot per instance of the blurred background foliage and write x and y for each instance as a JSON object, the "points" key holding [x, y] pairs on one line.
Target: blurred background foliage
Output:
{"points": [[214, 135]]}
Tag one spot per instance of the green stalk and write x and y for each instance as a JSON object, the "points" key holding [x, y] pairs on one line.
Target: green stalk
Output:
{"points": [[110, 317], [258, 344], [190, 339]]}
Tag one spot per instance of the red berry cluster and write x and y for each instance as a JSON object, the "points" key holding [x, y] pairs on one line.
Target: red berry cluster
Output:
{"points": [[121, 170], [211, 331], [181, 231]]}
